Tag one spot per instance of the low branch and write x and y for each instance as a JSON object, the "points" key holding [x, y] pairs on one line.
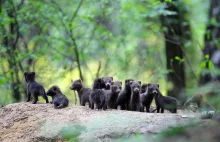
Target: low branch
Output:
{"points": [[77, 9], [99, 68]]}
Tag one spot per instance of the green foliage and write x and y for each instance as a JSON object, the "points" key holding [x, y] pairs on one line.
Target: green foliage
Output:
{"points": [[71, 133], [179, 59], [174, 131], [207, 62], [133, 138], [125, 35], [177, 130]]}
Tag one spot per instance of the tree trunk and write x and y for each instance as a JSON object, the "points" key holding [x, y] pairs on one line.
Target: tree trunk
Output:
{"points": [[10, 42], [175, 35], [212, 40]]}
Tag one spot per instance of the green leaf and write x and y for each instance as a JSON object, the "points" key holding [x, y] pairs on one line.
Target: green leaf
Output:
{"points": [[208, 35], [211, 66], [182, 60], [168, 0], [177, 58], [57, 57], [207, 56], [213, 21], [203, 64], [170, 70]]}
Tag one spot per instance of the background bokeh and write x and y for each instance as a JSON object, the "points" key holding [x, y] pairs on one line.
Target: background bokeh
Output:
{"points": [[64, 40]]}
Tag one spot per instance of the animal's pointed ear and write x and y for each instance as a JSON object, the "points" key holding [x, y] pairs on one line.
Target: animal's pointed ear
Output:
{"points": [[25, 73], [112, 82], [25, 76], [54, 88], [131, 81], [80, 80], [33, 73], [158, 85], [111, 78], [99, 79], [126, 81], [120, 82], [139, 82], [148, 84]]}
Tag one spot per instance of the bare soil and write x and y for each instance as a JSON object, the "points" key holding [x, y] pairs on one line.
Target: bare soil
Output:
{"points": [[41, 122]]}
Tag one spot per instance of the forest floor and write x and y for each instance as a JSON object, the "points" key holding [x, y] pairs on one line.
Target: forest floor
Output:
{"points": [[41, 122]]}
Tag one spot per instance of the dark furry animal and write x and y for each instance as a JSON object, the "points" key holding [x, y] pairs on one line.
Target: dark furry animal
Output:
{"points": [[144, 87], [148, 96], [135, 101], [164, 102], [112, 94], [97, 95], [125, 95], [58, 99], [34, 88], [108, 80], [83, 92]]}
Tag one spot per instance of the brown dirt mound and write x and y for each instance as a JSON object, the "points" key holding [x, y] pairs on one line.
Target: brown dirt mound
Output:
{"points": [[41, 122]]}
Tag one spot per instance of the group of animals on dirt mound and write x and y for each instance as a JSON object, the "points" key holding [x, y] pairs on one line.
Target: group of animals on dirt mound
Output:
{"points": [[108, 94]]}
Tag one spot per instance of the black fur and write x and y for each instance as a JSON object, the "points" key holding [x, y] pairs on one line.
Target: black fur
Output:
{"points": [[164, 102], [108, 80], [112, 94], [148, 96], [34, 88], [135, 101], [125, 95], [144, 88], [58, 99], [97, 95], [83, 92]]}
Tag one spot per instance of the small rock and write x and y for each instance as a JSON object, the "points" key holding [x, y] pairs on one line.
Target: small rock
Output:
{"points": [[207, 114]]}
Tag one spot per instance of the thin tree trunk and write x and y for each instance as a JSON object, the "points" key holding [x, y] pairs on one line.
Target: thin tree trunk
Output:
{"points": [[175, 35]]}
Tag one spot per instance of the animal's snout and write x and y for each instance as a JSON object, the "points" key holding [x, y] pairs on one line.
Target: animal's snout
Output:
{"points": [[118, 90], [136, 90], [71, 87], [107, 85], [154, 92], [48, 93]]}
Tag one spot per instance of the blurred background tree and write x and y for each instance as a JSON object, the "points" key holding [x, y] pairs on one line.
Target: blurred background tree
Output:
{"points": [[158, 41], [177, 33], [211, 47]]}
